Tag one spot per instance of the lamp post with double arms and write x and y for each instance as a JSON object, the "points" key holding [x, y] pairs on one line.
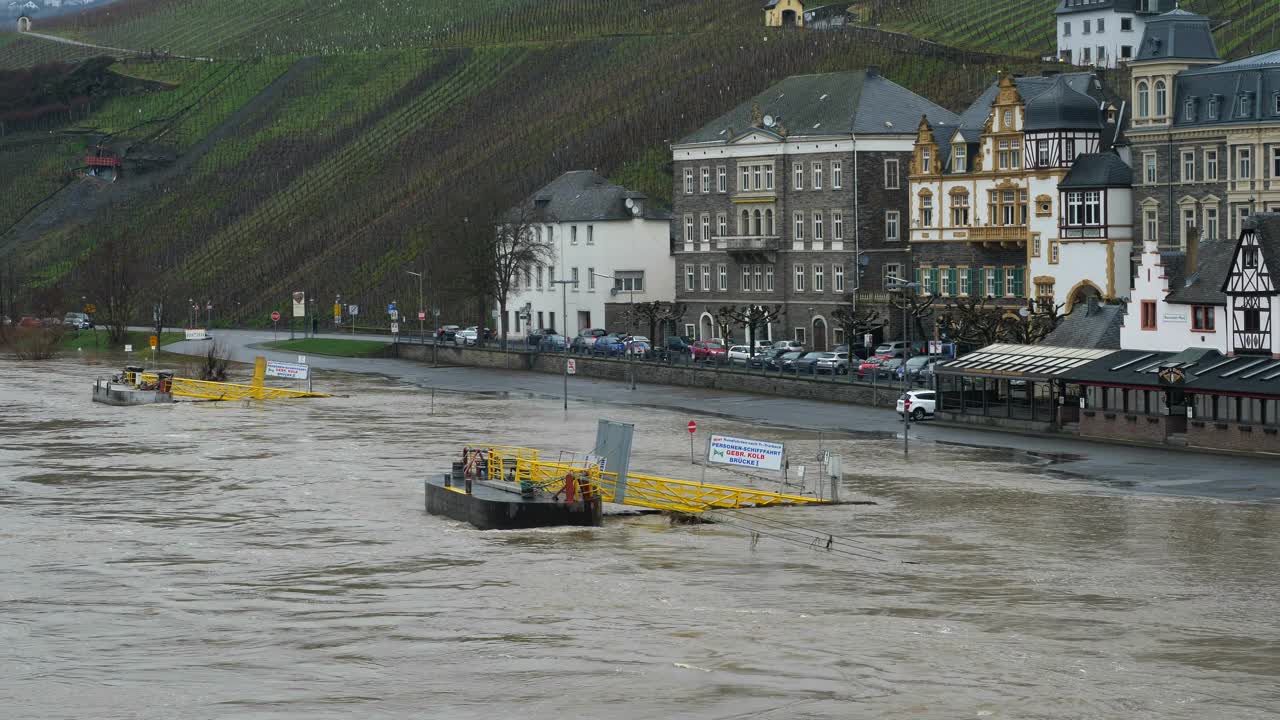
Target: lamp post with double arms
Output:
{"points": [[904, 286]]}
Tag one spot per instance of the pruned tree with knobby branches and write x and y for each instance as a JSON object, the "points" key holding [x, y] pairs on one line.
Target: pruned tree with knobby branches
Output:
{"points": [[658, 313], [979, 321], [856, 321], [1041, 318], [751, 317], [916, 306]]}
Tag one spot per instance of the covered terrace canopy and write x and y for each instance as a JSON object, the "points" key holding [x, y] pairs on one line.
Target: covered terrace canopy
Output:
{"points": [[1010, 381]]}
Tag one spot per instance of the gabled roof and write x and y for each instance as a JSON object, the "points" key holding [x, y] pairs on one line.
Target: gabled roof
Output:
{"points": [[585, 196], [860, 102], [1089, 325], [1204, 286], [1177, 35], [1267, 226], [1098, 170]]}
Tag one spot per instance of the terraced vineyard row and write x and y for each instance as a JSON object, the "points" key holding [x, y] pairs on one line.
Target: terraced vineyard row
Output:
{"points": [[31, 172], [19, 52], [318, 27]]}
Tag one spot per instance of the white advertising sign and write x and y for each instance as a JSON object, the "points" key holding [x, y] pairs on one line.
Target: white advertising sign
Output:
{"points": [[573, 367], [288, 371], [755, 454], [196, 334], [395, 328], [299, 304]]}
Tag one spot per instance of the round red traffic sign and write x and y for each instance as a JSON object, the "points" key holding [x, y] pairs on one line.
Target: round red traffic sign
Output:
{"points": [[275, 316], [693, 427]]}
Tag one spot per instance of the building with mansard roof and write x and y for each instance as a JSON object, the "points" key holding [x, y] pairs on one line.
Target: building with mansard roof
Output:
{"points": [[1104, 33], [1028, 198], [1205, 135], [797, 197]]}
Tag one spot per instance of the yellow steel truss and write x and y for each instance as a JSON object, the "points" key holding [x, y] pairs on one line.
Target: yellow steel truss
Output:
{"points": [[521, 465], [207, 390]]}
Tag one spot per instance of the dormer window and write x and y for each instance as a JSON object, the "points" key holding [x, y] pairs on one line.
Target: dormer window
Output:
{"points": [[961, 163], [1189, 110], [1246, 105], [1275, 104], [1213, 107]]}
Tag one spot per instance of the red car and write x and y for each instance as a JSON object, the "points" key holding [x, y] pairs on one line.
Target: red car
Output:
{"points": [[709, 351], [868, 366], [30, 322]]}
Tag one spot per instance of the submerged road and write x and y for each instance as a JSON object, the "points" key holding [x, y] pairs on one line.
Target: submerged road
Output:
{"points": [[1157, 470]]}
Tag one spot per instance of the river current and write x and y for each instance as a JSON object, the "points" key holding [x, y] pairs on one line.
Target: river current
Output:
{"points": [[227, 560]]}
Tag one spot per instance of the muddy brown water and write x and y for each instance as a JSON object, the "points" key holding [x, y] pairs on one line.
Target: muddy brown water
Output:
{"points": [[274, 561]]}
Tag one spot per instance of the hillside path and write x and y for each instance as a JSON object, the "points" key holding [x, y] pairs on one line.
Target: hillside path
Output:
{"points": [[127, 51]]}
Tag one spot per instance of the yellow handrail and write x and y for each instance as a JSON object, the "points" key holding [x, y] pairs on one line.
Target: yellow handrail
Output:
{"points": [[208, 390]]}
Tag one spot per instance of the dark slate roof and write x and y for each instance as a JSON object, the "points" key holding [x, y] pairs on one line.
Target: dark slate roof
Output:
{"points": [[1225, 84], [1098, 170], [1204, 286], [1066, 7], [1177, 34], [1089, 325], [844, 103], [584, 195], [1206, 371], [1267, 226], [1062, 108]]}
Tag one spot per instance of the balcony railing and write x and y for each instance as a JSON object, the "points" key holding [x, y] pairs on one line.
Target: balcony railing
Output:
{"points": [[998, 233], [751, 243]]}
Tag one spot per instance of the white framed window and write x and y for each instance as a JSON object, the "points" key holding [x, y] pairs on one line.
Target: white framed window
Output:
{"points": [[706, 278], [688, 181], [688, 230], [746, 278], [1087, 27], [1244, 163], [688, 329], [962, 282], [1035, 244], [1055, 251], [837, 174], [892, 275], [961, 162], [722, 272], [1150, 175], [722, 225], [1162, 99], [1210, 165], [1144, 99], [745, 184], [690, 281], [800, 276], [837, 277], [926, 160], [591, 279], [1210, 222], [926, 280], [800, 335], [768, 176], [1151, 224], [574, 277], [573, 234], [817, 175], [757, 173], [1275, 161], [989, 276], [768, 278], [837, 225], [799, 226], [1188, 166], [537, 273], [798, 171], [629, 280], [1066, 29], [818, 233], [1101, 25], [892, 181], [891, 225], [722, 179], [706, 180], [819, 279], [706, 227], [926, 211]]}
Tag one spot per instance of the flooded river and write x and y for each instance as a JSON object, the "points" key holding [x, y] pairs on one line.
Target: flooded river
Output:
{"points": [[274, 561]]}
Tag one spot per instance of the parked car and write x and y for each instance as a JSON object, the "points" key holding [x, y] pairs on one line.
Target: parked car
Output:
{"points": [[739, 354], [709, 351], [762, 359], [807, 364], [470, 336], [869, 366], [640, 347], [834, 362], [894, 349], [534, 337], [447, 334], [920, 403], [78, 320], [30, 322], [787, 363], [551, 342], [763, 346], [609, 346], [918, 368], [888, 369], [788, 345]]}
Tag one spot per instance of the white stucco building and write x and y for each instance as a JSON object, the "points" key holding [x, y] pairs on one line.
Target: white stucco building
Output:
{"points": [[596, 229], [1103, 33]]}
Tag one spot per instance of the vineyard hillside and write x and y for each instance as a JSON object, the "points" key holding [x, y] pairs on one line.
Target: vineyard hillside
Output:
{"points": [[328, 147]]}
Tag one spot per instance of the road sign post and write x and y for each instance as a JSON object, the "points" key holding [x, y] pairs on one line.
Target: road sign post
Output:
{"points": [[693, 428]]}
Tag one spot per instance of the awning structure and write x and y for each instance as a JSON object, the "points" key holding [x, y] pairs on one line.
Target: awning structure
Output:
{"points": [[1026, 362], [1192, 370]]}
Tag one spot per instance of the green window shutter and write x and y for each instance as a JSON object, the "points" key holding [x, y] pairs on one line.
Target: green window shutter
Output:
{"points": [[951, 282], [1018, 286], [917, 281], [975, 282], [933, 281], [997, 287]]}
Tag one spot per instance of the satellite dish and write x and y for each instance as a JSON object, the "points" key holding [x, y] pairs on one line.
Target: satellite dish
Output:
{"points": [[630, 203], [769, 121], [613, 292]]}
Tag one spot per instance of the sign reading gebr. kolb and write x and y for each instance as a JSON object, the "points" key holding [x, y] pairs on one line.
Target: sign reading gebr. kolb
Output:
{"points": [[289, 371], [746, 453]]}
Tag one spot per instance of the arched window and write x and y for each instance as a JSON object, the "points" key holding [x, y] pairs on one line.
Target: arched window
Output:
{"points": [[768, 221], [759, 227], [744, 223], [1144, 99], [1161, 106]]}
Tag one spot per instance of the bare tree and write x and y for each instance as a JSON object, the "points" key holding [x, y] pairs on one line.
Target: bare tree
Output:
{"points": [[975, 321], [856, 321], [1041, 318], [750, 317], [113, 284], [657, 313], [917, 306], [516, 248]]}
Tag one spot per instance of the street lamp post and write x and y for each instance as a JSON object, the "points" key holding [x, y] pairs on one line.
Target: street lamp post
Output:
{"points": [[904, 286], [631, 368], [564, 317], [422, 311]]}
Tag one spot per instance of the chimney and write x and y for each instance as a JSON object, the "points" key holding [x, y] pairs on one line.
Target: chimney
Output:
{"points": [[1193, 255]]}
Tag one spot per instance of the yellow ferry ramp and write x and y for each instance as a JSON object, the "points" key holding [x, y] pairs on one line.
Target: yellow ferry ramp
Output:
{"points": [[208, 390]]}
